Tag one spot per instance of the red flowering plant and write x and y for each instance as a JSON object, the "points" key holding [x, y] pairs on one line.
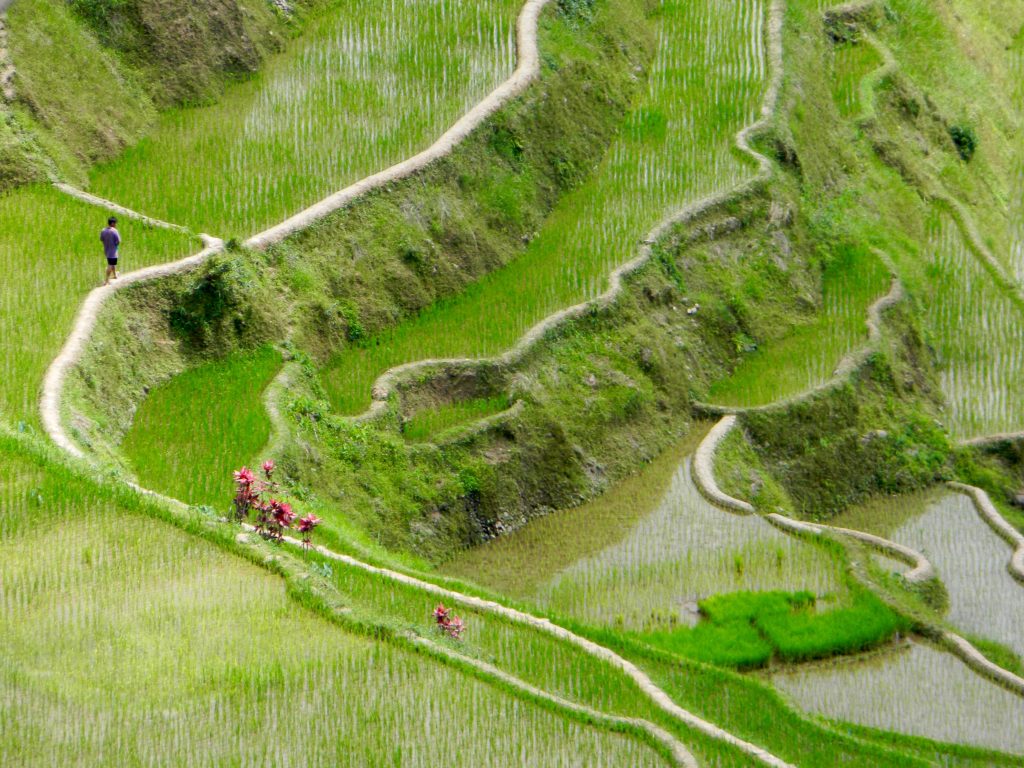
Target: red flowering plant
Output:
{"points": [[306, 526], [255, 496], [451, 625]]}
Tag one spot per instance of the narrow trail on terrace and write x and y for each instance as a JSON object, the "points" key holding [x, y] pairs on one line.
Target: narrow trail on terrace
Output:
{"points": [[526, 71]]}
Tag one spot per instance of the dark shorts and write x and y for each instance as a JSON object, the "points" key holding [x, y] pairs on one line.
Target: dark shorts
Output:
{"points": [[112, 262]]}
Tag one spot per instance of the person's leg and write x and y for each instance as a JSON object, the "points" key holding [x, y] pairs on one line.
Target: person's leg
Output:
{"points": [[106, 280]]}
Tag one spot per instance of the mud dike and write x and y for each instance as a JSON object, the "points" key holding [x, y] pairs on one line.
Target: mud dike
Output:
{"points": [[7, 71]]}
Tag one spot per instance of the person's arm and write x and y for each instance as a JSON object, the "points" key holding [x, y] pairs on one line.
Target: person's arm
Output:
{"points": [[118, 236]]}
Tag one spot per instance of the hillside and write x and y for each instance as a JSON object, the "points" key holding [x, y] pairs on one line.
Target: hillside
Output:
{"points": [[674, 347]]}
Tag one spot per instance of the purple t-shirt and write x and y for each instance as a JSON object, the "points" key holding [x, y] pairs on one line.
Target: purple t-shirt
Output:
{"points": [[110, 239]]}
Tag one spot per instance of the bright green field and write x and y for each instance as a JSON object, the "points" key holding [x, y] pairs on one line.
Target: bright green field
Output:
{"points": [[127, 642], [809, 353], [706, 83], [851, 64], [200, 426], [368, 84], [51, 257]]}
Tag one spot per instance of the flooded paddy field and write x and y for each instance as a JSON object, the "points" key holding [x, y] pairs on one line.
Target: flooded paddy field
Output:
{"points": [[658, 552], [917, 690], [971, 559]]}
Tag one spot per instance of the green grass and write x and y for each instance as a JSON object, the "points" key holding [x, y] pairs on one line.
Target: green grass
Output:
{"points": [[810, 352], [51, 256], [674, 149], [126, 641], [198, 427], [748, 629], [643, 555], [426, 424], [367, 85], [851, 64]]}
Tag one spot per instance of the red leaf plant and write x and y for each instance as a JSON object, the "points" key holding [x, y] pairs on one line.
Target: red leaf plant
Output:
{"points": [[451, 625], [272, 517]]}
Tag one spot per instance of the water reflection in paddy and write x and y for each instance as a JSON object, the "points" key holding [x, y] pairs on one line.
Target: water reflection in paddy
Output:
{"points": [[918, 690]]}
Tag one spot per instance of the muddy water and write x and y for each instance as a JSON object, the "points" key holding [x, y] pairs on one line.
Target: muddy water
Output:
{"points": [[918, 690]]}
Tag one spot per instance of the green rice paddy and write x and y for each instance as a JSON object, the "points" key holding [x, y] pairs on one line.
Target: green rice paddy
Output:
{"points": [[51, 257], [124, 640], [851, 64], [127, 642], [367, 85], [430, 423], [808, 355], [216, 429], [705, 84], [978, 334]]}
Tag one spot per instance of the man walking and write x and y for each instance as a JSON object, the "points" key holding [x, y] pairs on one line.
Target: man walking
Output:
{"points": [[111, 240]]}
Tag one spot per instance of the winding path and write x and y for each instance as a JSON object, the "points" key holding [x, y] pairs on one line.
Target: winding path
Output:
{"points": [[526, 70], [387, 382]]}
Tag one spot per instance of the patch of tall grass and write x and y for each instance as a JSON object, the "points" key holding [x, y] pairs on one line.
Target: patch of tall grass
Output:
{"points": [[748, 629], [367, 84], [706, 82], [427, 424], [198, 427], [810, 352], [51, 257], [128, 642]]}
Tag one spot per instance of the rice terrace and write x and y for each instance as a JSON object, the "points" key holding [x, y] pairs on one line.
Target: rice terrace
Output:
{"points": [[569, 383]]}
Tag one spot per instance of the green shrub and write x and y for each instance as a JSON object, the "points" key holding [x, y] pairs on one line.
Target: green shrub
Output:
{"points": [[965, 139]]}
